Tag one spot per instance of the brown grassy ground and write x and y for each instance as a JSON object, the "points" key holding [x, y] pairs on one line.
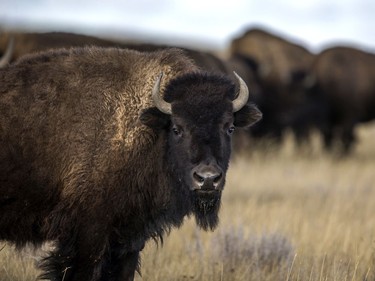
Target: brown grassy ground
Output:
{"points": [[287, 215]]}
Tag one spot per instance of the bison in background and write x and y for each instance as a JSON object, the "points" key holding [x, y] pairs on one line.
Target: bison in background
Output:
{"points": [[27, 43], [279, 67], [344, 85], [103, 149]]}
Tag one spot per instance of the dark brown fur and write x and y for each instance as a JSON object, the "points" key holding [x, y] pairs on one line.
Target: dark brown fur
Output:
{"points": [[279, 67], [344, 84], [88, 162]]}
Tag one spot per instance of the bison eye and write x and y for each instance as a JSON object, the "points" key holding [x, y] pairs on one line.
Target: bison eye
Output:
{"points": [[177, 131], [230, 130]]}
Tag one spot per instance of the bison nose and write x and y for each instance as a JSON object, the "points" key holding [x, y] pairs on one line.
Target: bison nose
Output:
{"points": [[207, 177]]}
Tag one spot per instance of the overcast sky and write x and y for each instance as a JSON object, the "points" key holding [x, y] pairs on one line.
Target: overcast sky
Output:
{"points": [[313, 22]]}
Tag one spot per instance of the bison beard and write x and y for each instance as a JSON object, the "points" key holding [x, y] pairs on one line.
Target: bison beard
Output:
{"points": [[206, 207]]}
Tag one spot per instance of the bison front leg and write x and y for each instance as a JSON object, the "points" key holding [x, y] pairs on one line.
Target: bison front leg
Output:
{"points": [[122, 268], [123, 262], [87, 258], [79, 256], [71, 262], [130, 265]]}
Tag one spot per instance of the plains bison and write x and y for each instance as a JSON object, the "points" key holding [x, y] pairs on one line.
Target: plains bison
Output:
{"points": [[104, 148], [27, 43], [343, 83], [279, 67]]}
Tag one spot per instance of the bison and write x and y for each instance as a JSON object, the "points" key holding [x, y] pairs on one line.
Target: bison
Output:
{"points": [[343, 84], [27, 43], [103, 149], [279, 67]]}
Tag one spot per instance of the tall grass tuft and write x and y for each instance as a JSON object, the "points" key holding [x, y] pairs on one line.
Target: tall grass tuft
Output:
{"points": [[257, 254]]}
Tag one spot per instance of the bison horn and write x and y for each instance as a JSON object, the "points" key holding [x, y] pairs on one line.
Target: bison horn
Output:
{"points": [[243, 94], [160, 103], [5, 59]]}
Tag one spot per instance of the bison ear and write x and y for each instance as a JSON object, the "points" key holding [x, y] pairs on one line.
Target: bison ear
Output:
{"points": [[247, 115], [154, 118]]}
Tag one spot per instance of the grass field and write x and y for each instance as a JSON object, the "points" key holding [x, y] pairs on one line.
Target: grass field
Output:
{"points": [[287, 214]]}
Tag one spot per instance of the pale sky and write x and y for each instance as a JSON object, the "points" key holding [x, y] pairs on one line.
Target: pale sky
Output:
{"points": [[316, 23]]}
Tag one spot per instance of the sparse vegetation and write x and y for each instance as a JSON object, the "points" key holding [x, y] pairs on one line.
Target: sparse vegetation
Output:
{"points": [[288, 214]]}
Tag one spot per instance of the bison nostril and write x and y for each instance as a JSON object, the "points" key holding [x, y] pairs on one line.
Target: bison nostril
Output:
{"points": [[218, 178], [198, 178]]}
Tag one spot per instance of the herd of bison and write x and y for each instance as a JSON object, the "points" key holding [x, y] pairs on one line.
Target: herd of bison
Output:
{"points": [[87, 161], [297, 90]]}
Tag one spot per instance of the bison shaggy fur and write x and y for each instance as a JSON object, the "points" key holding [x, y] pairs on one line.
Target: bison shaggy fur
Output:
{"points": [[89, 162]]}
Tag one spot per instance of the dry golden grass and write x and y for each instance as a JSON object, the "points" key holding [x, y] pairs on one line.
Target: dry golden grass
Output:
{"points": [[287, 215]]}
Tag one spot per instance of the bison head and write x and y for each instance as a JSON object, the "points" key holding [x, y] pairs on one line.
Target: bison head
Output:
{"points": [[198, 115]]}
